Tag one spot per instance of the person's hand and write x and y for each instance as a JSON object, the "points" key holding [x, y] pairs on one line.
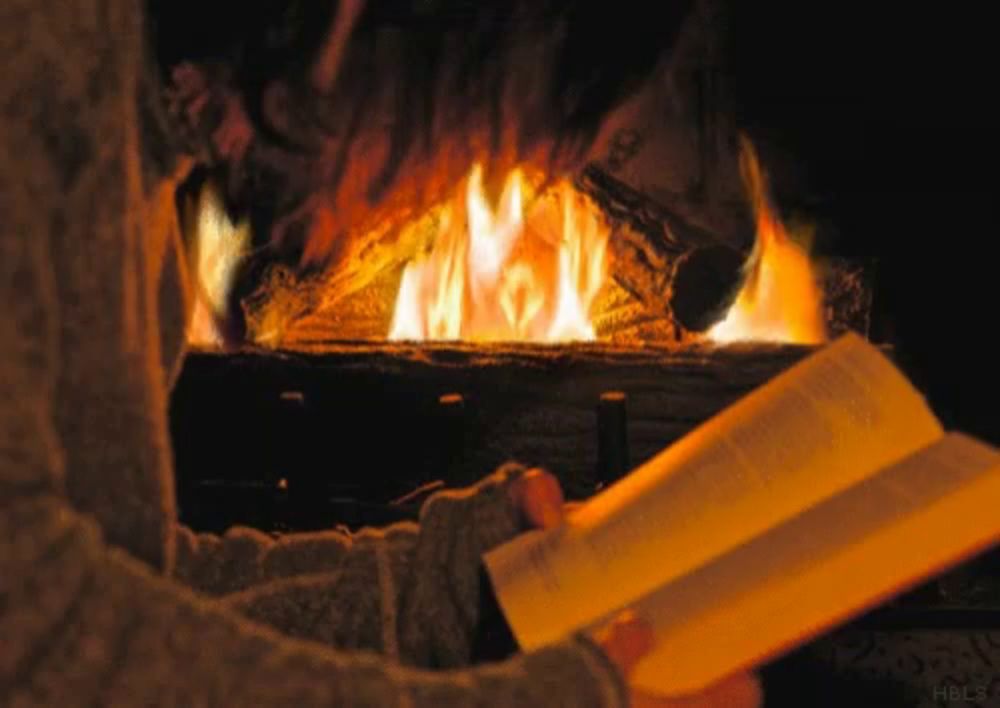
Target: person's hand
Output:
{"points": [[539, 499], [627, 639]]}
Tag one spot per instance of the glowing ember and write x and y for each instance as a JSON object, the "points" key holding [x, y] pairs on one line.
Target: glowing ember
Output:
{"points": [[780, 300], [528, 270], [218, 246]]}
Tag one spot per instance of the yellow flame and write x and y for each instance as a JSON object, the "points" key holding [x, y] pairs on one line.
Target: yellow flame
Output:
{"points": [[514, 273], [780, 300], [218, 246]]}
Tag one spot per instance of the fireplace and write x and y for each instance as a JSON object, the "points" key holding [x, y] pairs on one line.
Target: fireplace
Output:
{"points": [[580, 319], [577, 323]]}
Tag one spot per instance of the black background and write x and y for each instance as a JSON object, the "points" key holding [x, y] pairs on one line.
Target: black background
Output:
{"points": [[883, 108]]}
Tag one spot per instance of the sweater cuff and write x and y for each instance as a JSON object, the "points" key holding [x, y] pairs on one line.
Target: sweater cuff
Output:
{"points": [[578, 668], [608, 672], [496, 518], [486, 509]]}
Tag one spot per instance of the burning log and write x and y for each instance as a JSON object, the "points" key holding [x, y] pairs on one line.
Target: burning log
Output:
{"points": [[688, 276], [706, 281], [664, 231], [648, 245], [848, 287], [667, 278], [672, 267]]}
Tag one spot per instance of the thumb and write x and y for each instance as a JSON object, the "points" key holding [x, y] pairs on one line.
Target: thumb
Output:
{"points": [[625, 641], [539, 498]]}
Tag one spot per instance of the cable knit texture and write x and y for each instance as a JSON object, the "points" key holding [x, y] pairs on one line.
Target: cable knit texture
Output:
{"points": [[104, 600]]}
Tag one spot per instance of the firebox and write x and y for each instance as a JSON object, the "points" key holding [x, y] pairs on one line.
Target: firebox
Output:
{"points": [[578, 324], [579, 320]]}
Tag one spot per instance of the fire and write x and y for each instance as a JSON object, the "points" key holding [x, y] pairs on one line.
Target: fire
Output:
{"points": [[780, 299], [527, 269], [219, 245]]}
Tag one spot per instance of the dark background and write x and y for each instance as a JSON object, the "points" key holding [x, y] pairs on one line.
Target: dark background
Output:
{"points": [[883, 107]]}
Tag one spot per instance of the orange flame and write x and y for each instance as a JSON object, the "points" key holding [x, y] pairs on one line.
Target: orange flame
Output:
{"points": [[528, 270], [219, 245], [780, 300]]}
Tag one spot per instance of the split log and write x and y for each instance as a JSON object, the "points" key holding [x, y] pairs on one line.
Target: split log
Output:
{"points": [[665, 231], [706, 282], [689, 276], [649, 242], [848, 291]]}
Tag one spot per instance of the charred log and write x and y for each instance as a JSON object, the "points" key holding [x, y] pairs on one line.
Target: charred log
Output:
{"points": [[668, 278], [677, 270], [665, 231], [705, 284]]}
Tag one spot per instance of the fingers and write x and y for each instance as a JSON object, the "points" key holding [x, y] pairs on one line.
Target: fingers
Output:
{"points": [[571, 506], [740, 691], [538, 496], [625, 641]]}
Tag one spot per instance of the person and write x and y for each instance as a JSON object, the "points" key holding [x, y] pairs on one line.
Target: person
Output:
{"points": [[104, 598]]}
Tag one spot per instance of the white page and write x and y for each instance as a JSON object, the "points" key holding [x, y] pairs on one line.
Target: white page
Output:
{"points": [[823, 425]]}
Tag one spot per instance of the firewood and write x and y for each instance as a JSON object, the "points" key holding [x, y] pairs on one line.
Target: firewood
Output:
{"points": [[668, 277], [666, 232], [689, 276], [705, 284], [674, 268]]}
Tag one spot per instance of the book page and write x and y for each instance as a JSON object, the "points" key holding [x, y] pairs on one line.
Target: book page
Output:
{"points": [[823, 425], [844, 555]]}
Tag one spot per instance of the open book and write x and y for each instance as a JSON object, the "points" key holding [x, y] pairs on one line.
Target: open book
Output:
{"points": [[817, 496]]}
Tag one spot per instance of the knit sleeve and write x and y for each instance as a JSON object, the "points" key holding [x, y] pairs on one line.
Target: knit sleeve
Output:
{"points": [[87, 624], [84, 623], [409, 591]]}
